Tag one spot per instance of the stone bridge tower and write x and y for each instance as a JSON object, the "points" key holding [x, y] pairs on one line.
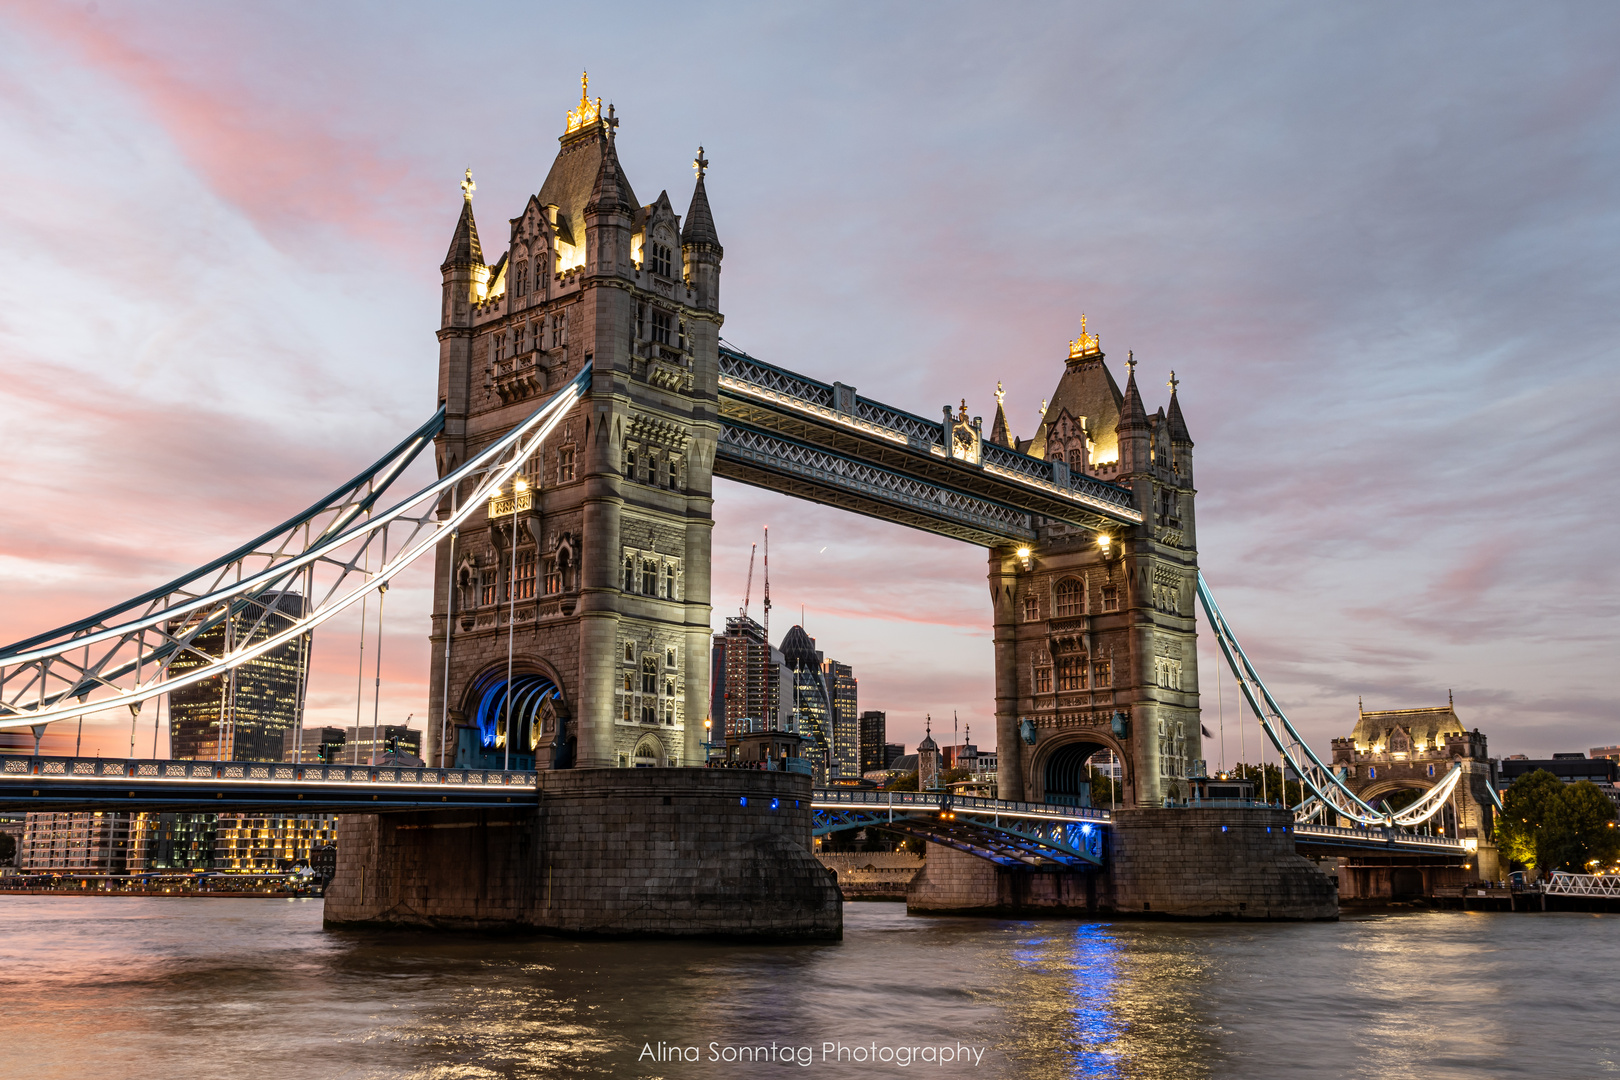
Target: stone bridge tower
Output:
{"points": [[1095, 635], [579, 602]]}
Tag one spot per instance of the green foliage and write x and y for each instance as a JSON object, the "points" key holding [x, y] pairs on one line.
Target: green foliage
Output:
{"points": [[1105, 792], [1268, 783], [1547, 824], [907, 782]]}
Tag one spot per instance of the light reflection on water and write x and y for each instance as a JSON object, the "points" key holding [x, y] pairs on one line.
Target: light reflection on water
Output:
{"points": [[183, 988]]}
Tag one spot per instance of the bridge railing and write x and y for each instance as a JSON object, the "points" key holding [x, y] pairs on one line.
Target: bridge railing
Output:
{"points": [[933, 800], [251, 772], [1395, 836]]}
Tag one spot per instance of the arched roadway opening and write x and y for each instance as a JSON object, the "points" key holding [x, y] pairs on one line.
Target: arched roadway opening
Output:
{"points": [[524, 710], [1066, 770]]}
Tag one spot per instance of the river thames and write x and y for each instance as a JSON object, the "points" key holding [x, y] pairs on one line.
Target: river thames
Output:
{"points": [[115, 987]]}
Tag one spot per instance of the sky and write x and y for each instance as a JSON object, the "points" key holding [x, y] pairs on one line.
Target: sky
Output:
{"points": [[1378, 243]]}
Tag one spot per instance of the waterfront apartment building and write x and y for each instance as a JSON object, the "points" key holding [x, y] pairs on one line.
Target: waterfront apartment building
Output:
{"points": [[245, 714], [171, 843], [82, 842], [264, 843]]}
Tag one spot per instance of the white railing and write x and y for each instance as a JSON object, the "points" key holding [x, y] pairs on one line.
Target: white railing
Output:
{"points": [[133, 772], [1327, 790], [1382, 836], [1606, 886]]}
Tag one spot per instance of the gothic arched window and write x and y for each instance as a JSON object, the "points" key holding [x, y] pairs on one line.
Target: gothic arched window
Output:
{"points": [[1068, 598]]}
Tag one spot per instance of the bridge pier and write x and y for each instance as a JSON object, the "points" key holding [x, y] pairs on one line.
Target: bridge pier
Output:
{"points": [[1206, 863], [607, 852]]}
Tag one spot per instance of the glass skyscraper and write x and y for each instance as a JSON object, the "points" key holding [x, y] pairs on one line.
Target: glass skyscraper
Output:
{"points": [[245, 714]]}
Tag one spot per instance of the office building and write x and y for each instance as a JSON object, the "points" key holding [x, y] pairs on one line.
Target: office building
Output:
{"points": [[313, 745], [243, 715], [751, 689], [873, 730]]}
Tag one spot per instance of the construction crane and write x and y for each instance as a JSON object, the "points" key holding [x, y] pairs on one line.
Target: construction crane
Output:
{"points": [[749, 588]]}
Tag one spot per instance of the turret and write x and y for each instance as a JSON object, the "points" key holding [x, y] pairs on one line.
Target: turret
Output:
{"points": [[609, 215], [465, 274], [999, 432], [700, 245], [1134, 433]]}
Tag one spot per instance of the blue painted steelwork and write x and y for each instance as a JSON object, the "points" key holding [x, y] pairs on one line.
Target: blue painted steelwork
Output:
{"points": [[1011, 834]]}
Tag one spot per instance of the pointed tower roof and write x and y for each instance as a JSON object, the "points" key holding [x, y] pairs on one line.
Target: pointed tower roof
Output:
{"points": [[571, 183], [1086, 389], [1178, 426], [465, 250], [611, 190], [999, 434], [699, 228], [1131, 413]]}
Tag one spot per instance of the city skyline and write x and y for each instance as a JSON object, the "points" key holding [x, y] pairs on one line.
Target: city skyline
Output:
{"points": [[1365, 328]]}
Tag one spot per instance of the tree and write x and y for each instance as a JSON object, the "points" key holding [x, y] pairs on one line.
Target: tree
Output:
{"points": [[1547, 824], [1581, 828], [1522, 827], [907, 782]]}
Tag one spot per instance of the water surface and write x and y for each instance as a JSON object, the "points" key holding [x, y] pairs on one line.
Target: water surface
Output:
{"points": [[179, 988]]}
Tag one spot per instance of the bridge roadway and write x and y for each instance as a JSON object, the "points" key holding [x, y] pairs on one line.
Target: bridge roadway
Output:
{"points": [[1009, 833], [1046, 836]]}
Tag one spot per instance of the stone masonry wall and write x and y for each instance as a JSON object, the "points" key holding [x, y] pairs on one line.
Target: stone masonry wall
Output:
{"points": [[1185, 864], [1211, 862], [612, 852]]}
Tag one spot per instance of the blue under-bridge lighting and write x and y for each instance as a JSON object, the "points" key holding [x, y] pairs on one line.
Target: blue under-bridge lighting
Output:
{"points": [[1223, 828], [1085, 830], [743, 801], [775, 803]]}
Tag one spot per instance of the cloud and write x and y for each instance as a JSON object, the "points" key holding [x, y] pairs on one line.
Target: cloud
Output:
{"points": [[1378, 246]]}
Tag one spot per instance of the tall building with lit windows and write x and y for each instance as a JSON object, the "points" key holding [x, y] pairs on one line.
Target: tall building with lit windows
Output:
{"points": [[244, 714], [751, 686], [824, 702]]}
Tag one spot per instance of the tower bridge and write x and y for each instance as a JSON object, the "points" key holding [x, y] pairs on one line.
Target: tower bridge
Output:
{"points": [[585, 402]]}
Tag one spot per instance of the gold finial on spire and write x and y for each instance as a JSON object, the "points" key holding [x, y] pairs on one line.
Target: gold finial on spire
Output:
{"points": [[962, 416], [1174, 382], [1130, 360], [1043, 406], [587, 112], [1000, 394], [1084, 345], [701, 164], [468, 186]]}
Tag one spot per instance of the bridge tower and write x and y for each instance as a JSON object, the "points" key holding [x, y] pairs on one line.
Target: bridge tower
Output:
{"points": [[1095, 635], [578, 601]]}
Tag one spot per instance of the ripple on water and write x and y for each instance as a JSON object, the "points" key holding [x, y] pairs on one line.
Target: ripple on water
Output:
{"points": [[220, 989]]}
